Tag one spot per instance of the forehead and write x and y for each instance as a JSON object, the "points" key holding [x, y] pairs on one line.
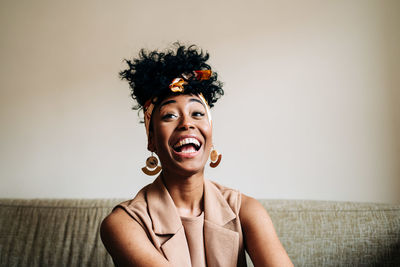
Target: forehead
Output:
{"points": [[180, 100]]}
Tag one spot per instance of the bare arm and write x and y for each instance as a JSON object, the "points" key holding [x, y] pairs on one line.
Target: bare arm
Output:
{"points": [[260, 238], [127, 242]]}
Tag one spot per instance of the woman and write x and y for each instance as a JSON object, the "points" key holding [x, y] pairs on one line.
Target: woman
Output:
{"points": [[183, 219]]}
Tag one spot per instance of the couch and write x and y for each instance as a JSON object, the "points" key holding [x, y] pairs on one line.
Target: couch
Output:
{"points": [[65, 232]]}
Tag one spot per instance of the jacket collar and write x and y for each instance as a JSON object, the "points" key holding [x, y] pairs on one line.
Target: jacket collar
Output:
{"points": [[216, 209], [162, 210], [164, 214]]}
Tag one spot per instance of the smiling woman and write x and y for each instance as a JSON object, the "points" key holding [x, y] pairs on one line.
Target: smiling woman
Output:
{"points": [[183, 219]]}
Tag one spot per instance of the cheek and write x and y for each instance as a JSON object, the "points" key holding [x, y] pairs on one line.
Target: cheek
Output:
{"points": [[160, 138], [207, 131]]}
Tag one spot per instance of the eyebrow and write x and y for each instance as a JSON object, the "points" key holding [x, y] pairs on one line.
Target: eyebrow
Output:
{"points": [[167, 102], [196, 100], [173, 101]]}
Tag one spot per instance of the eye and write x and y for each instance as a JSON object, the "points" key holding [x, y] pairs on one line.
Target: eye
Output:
{"points": [[198, 114], [168, 116]]}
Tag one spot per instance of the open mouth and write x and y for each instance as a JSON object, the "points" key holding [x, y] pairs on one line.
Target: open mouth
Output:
{"points": [[187, 145]]}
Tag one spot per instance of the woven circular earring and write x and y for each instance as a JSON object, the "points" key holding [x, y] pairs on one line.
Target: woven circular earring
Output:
{"points": [[215, 158], [151, 166]]}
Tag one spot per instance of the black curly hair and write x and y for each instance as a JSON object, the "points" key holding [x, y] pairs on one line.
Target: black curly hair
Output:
{"points": [[151, 73]]}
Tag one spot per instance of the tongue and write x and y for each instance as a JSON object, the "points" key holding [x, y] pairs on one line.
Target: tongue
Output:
{"points": [[187, 148]]}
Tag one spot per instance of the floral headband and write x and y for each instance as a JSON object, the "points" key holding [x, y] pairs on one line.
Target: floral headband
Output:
{"points": [[177, 86]]}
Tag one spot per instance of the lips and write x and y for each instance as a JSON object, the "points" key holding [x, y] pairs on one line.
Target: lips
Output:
{"points": [[187, 145]]}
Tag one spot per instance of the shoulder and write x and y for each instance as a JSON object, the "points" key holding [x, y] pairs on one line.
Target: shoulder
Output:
{"points": [[127, 242], [232, 196], [251, 207], [262, 242], [115, 229], [127, 239], [120, 219], [253, 215], [136, 207], [116, 222]]}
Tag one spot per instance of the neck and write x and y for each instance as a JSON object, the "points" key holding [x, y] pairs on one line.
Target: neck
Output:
{"points": [[186, 192]]}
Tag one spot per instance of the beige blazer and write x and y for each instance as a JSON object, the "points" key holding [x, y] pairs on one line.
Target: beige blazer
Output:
{"points": [[154, 209]]}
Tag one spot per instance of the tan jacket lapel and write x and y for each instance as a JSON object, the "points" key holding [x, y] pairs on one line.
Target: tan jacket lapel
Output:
{"points": [[176, 250], [167, 223], [222, 244]]}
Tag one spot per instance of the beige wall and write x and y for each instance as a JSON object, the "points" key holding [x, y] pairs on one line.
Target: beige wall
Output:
{"points": [[311, 111]]}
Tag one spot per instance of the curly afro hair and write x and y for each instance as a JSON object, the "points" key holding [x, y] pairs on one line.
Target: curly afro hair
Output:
{"points": [[151, 73]]}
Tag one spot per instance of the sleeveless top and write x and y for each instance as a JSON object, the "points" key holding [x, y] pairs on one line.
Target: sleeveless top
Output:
{"points": [[154, 210]]}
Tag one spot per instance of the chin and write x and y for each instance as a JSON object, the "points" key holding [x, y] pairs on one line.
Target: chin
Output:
{"points": [[192, 170], [187, 169]]}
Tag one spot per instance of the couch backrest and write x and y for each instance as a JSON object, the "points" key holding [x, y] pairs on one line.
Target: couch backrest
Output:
{"points": [[327, 233], [53, 232], [61, 232]]}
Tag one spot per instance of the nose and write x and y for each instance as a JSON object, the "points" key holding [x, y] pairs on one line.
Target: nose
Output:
{"points": [[185, 123]]}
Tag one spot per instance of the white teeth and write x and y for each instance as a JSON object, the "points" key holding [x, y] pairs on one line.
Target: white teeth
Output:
{"points": [[189, 151], [186, 141]]}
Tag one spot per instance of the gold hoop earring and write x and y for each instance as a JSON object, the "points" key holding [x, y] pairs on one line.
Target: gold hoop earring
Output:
{"points": [[151, 166], [215, 158]]}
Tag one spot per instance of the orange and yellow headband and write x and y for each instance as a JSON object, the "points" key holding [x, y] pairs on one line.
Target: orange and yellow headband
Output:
{"points": [[177, 86]]}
